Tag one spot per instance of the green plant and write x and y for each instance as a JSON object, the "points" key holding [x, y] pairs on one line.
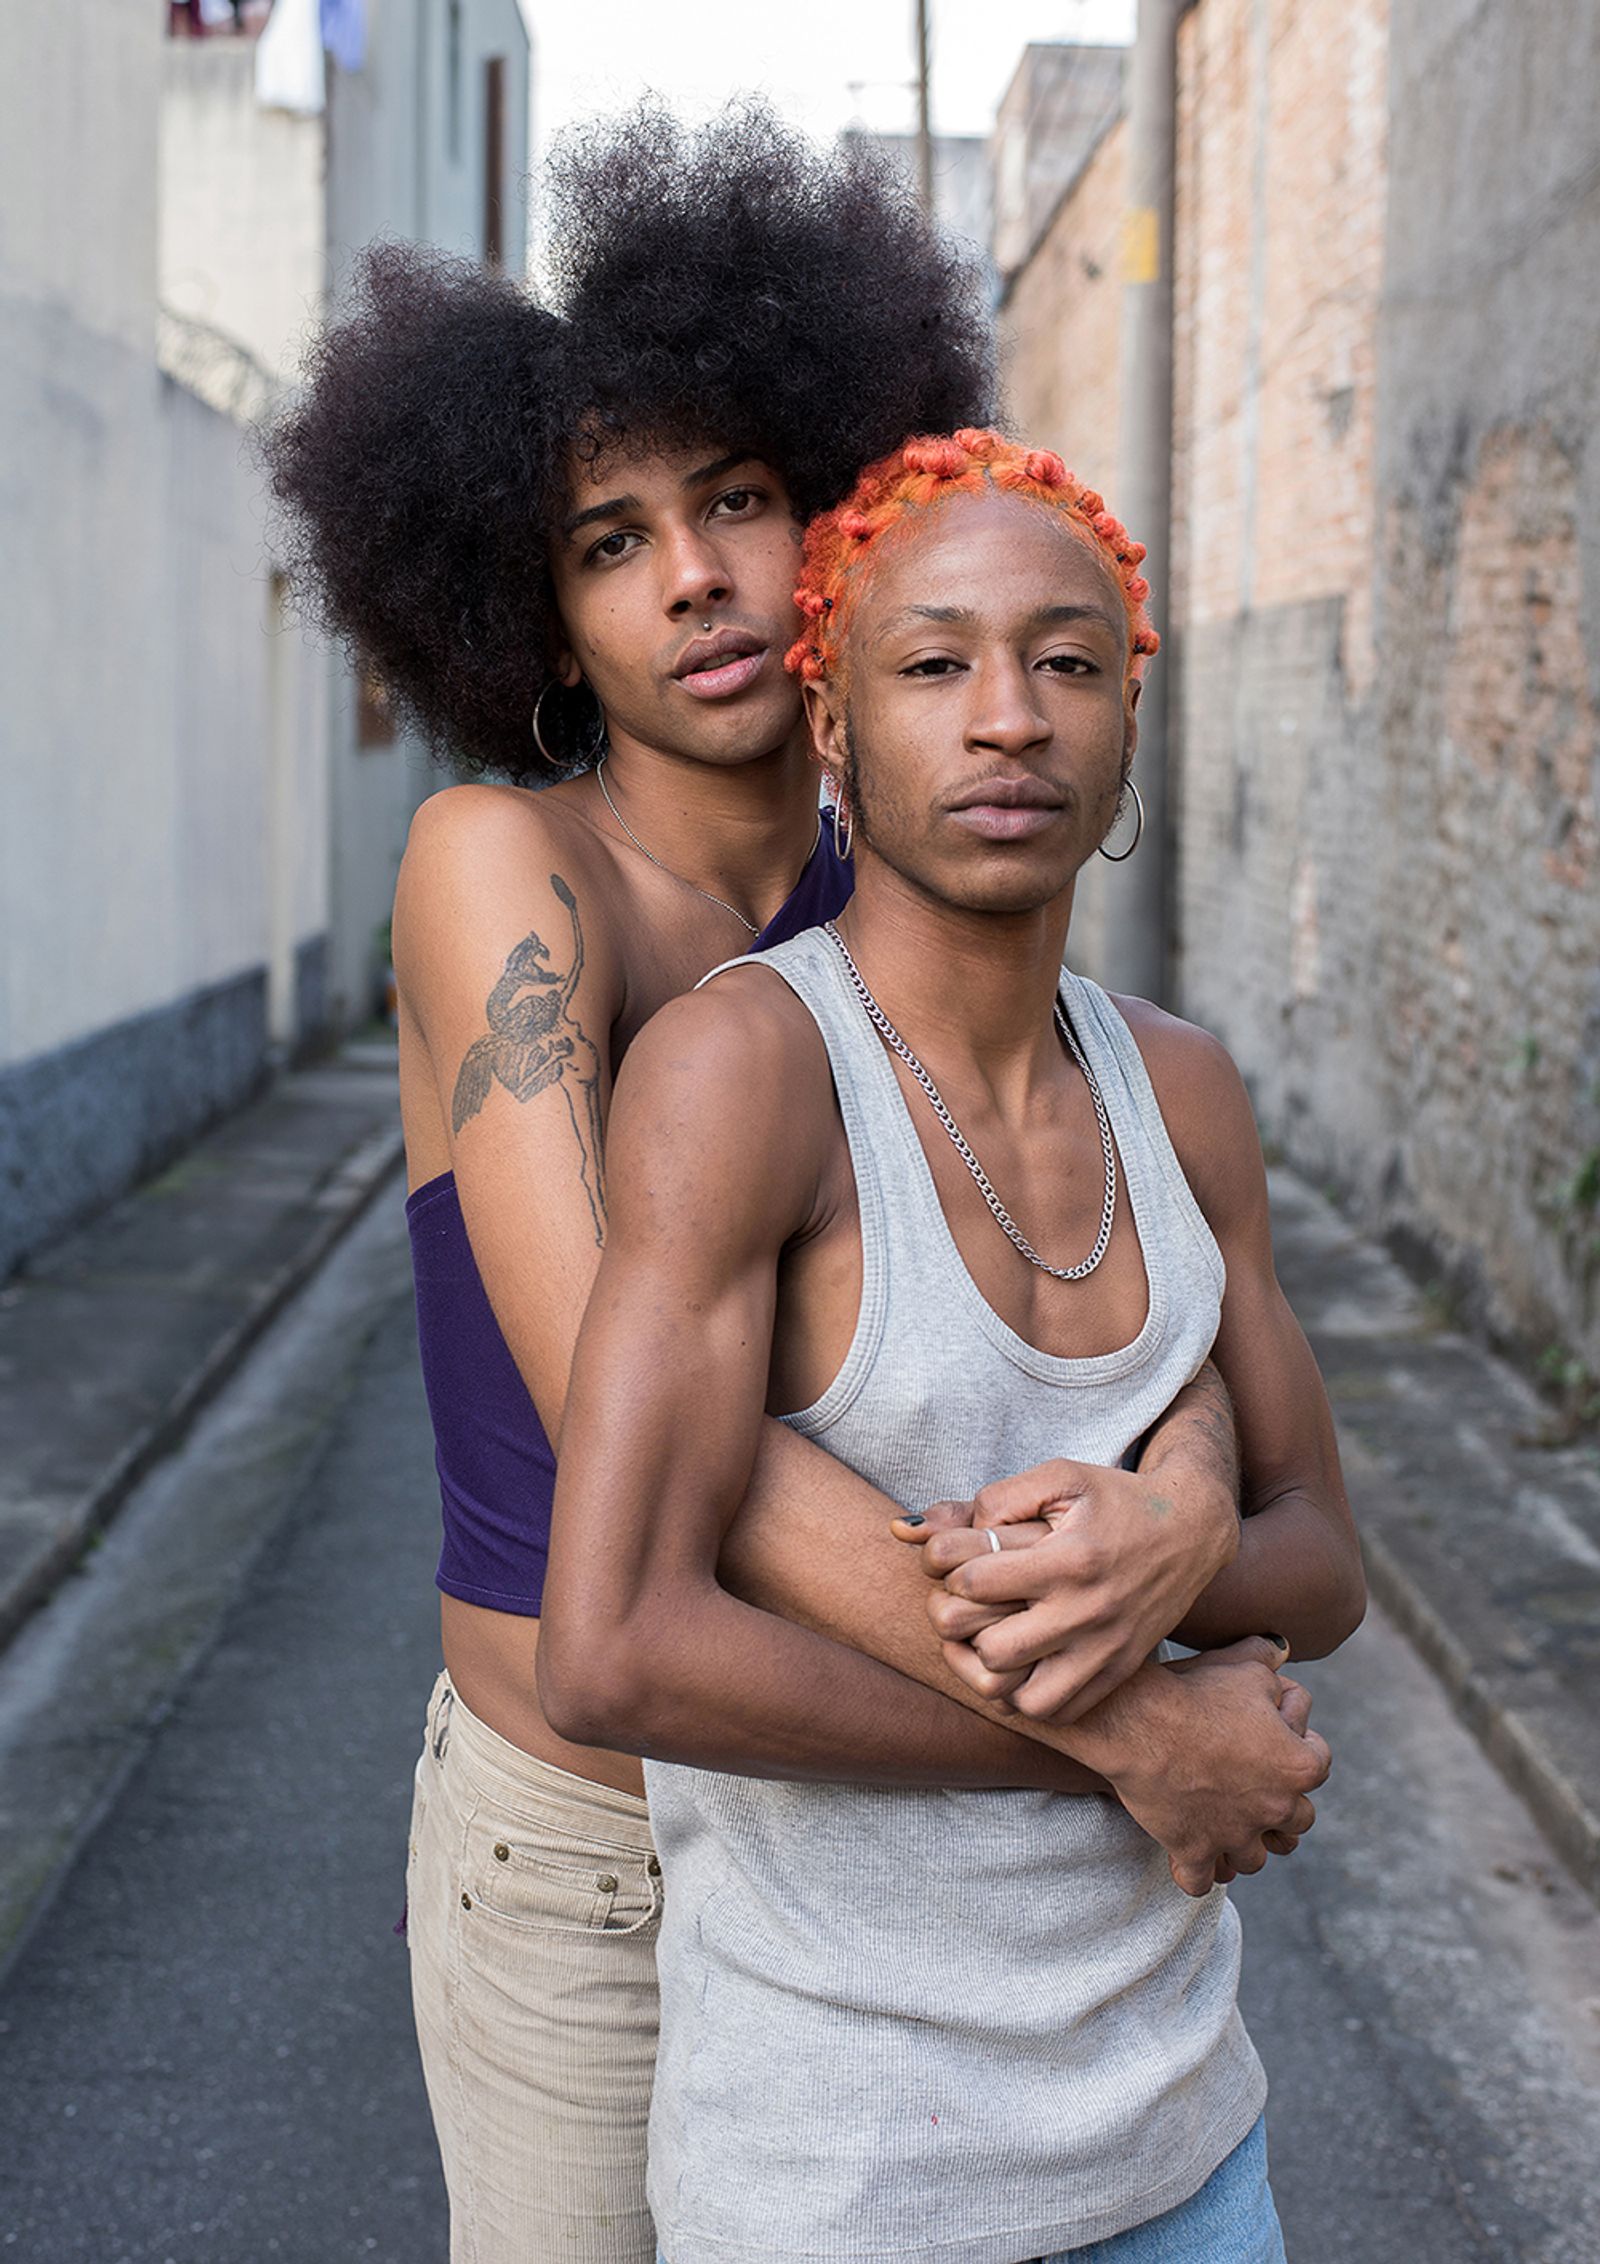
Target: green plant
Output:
{"points": [[1583, 1189], [1576, 1388]]}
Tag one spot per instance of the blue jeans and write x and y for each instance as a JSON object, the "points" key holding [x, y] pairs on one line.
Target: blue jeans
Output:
{"points": [[1231, 2220]]}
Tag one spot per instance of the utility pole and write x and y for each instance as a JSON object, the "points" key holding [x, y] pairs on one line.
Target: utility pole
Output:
{"points": [[1137, 937], [924, 113]]}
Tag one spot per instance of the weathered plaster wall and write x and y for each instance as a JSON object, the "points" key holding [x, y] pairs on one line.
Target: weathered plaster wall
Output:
{"points": [[406, 151], [1061, 333], [1489, 654], [1386, 645], [1061, 321], [143, 703], [1388, 345], [1281, 192], [241, 243]]}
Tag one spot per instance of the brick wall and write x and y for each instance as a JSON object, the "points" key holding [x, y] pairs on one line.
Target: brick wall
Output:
{"points": [[1061, 321], [1061, 334], [1386, 634], [1278, 261], [1488, 598]]}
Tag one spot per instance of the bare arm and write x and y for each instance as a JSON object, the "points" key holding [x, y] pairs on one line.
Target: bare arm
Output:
{"points": [[507, 966], [507, 969], [1297, 1567], [815, 1548], [716, 1150], [717, 1147]]}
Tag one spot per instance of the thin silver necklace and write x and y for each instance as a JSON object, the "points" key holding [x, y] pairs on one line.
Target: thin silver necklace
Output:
{"points": [[748, 925], [1003, 1218]]}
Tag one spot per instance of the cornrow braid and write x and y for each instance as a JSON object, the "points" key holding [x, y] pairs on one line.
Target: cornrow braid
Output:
{"points": [[922, 471]]}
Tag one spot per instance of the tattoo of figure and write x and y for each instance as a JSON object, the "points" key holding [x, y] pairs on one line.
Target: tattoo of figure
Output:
{"points": [[535, 1042]]}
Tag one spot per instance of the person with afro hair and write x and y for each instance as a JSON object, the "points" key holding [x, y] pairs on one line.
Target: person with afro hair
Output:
{"points": [[911, 1185], [565, 534]]}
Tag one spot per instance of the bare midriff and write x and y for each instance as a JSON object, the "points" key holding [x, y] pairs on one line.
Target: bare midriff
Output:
{"points": [[490, 1657]]}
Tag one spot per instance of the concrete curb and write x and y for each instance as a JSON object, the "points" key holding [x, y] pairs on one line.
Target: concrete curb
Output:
{"points": [[1481, 1540], [1437, 1561], [1523, 1758], [347, 1193]]}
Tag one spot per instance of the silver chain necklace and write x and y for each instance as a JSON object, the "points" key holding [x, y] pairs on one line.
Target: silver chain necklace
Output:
{"points": [[1003, 1218], [749, 925]]}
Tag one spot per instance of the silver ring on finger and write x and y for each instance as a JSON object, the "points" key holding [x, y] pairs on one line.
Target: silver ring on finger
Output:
{"points": [[994, 1538]]}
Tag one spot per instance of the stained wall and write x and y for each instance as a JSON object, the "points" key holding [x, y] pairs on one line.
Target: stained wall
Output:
{"points": [[1386, 638]]}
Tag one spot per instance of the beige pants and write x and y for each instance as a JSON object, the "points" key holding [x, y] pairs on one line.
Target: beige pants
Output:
{"points": [[534, 1904]]}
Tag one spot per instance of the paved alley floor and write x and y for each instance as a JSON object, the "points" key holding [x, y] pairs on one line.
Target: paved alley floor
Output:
{"points": [[205, 2044]]}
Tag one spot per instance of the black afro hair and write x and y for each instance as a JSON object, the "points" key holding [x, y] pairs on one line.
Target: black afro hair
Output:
{"points": [[732, 283]]}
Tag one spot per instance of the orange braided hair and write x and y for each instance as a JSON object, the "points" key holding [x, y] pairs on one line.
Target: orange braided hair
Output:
{"points": [[922, 471]]}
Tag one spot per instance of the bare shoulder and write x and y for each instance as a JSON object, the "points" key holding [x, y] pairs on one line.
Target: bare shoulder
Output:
{"points": [[489, 871], [1205, 1107], [464, 835], [746, 1033], [734, 1079]]}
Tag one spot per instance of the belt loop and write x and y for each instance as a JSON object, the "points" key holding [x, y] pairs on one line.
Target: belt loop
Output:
{"points": [[439, 1727]]}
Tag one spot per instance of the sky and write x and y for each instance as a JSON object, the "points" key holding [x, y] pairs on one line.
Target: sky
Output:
{"points": [[823, 63]]}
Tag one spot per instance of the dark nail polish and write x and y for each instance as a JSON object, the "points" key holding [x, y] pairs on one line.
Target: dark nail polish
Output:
{"points": [[914, 1517], [1280, 1642]]}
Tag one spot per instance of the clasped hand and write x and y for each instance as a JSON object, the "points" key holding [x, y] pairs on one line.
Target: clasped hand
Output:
{"points": [[1095, 1566], [1213, 1756]]}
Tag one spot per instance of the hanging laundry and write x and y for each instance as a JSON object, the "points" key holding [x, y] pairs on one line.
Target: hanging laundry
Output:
{"points": [[289, 66], [344, 32]]}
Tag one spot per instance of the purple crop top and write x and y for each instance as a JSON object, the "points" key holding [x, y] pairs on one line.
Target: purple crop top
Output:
{"points": [[497, 1472]]}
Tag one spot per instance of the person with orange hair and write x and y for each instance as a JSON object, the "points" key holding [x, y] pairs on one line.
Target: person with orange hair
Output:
{"points": [[945, 1207], [564, 534]]}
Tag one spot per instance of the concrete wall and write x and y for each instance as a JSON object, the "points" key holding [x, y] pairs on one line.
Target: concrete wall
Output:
{"points": [[1386, 643], [263, 216], [138, 867], [194, 853], [241, 243], [406, 153], [406, 133], [1060, 101]]}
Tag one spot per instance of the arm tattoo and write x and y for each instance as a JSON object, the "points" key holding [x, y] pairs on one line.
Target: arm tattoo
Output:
{"points": [[534, 1042]]}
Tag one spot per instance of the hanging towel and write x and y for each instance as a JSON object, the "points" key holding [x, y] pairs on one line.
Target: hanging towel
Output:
{"points": [[289, 68]]}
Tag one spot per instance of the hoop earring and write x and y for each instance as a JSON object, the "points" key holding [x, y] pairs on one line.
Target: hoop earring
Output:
{"points": [[538, 736], [843, 842], [567, 762], [1121, 856]]}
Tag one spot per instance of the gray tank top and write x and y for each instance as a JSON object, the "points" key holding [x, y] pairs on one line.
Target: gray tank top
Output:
{"points": [[971, 2026]]}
